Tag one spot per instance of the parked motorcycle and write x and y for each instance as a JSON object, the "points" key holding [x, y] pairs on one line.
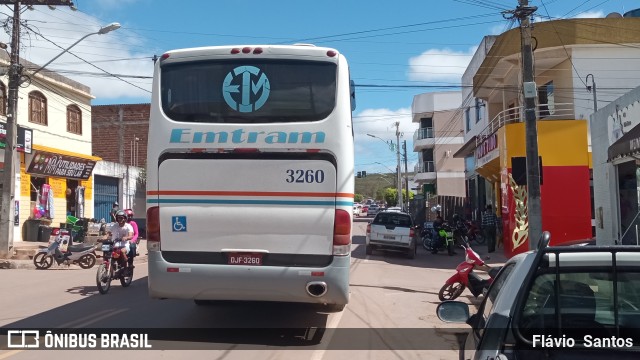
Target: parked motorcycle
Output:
{"points": [[474, 233], [113, 266], [466, 278], [443, 240], [60, 251]]}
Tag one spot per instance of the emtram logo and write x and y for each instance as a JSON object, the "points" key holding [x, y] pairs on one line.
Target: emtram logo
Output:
{"points": [[23, 339], [239, 81]]}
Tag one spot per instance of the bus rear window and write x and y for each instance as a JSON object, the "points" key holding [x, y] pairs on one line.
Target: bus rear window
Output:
{"points": [[265, 91]]}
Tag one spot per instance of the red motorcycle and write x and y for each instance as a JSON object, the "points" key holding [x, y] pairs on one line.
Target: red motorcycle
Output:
{"points": [[466, 278]]}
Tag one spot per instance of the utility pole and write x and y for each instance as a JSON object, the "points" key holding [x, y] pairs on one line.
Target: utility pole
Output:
{"points": [[400, 202], [406, 173], [7, 206], [523, 13]]}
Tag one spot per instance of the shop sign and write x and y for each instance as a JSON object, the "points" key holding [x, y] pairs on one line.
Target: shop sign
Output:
{"points": [[24, 140], [487, 150], [487, 146], [50, 164]]}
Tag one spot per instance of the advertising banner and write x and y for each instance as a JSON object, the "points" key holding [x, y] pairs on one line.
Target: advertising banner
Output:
{"points": [[70, 167]]}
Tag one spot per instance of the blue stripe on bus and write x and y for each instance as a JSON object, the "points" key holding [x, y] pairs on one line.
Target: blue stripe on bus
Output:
{"points": [[248, 202]]}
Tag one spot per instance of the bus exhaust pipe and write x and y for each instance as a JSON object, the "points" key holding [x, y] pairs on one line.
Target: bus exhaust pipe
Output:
{"points": [[316, 288]]}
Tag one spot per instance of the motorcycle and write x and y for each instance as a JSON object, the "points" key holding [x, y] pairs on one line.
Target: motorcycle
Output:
{"points": [[61, 252], [474, 233], [113, 267], [434, 242], [466, 278]]}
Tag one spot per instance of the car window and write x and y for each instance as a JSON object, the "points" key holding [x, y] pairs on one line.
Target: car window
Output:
{"points": [[586, 304], [487, 305], [396, 219]]}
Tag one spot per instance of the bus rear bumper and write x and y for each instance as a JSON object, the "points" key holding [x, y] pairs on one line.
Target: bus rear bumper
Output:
{"points": [[249, 283]]}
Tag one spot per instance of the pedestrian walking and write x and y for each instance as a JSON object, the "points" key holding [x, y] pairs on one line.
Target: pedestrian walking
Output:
{"points": [[489, 225]]}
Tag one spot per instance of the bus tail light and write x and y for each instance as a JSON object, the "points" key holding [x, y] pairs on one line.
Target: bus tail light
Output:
{"points": [[342, 233], [153, 228]]}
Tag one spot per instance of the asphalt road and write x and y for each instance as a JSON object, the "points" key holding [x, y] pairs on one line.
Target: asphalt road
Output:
{"points": [[391, 314]]}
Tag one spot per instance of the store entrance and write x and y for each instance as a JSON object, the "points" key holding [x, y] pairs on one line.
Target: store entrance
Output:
{"points": [[628, 188], [71, 197]]}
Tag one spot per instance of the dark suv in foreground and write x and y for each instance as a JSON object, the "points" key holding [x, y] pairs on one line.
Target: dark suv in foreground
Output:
{"points": [[564, 302]]}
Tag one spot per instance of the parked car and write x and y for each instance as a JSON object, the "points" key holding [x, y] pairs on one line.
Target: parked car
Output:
{"points": [[557, 302], [373, 209], [357, 210], [392, 230]]}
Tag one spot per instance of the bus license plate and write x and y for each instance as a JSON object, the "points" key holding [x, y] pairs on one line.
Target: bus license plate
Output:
{"points": [[253, 259]]}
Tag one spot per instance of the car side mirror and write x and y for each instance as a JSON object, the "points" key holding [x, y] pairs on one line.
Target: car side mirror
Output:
{"points": [[453, 312]]}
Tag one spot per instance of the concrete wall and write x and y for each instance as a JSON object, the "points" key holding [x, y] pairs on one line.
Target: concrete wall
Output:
{"points": [[131, 184]]}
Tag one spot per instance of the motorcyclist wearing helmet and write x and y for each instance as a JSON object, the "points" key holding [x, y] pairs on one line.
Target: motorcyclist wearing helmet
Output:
{"points": [[115, 208], [121, 230], [133, 244]]}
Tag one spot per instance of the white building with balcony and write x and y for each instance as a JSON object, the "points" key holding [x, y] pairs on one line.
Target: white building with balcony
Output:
{"points": [[439, 136]]}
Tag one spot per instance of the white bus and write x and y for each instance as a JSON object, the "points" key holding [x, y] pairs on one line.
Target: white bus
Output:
{"points": [[250, 180]]}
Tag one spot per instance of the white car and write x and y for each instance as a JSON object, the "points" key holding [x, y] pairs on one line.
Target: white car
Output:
{"points": [[357, 210], [392, 230]]}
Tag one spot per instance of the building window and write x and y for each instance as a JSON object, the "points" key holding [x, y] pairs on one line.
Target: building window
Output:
{"points": [[467, 119], [37, 108], [3, 99], [546, 101], [479, 106], [74, 119]]}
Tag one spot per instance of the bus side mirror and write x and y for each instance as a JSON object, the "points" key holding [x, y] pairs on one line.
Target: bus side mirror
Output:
{"points": [[352, 91]]}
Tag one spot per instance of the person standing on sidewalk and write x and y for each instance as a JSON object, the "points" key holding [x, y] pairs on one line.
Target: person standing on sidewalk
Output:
{"points": [[489, 225]]}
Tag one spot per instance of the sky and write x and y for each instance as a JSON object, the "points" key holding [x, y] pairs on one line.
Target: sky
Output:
{"points": [[395, 50]]}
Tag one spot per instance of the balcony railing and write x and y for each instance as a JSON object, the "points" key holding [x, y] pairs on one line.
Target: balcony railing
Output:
{"points": [[425, 166], [423, 133], [516, 114]]}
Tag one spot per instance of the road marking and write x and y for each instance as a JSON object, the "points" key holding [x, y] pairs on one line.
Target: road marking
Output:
{"points": [[93, 318], [10, 353], [333, 324]]}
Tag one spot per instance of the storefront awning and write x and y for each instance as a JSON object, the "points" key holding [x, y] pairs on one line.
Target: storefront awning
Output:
{"points": [[628, 144], [48, 161], [467, 149]]}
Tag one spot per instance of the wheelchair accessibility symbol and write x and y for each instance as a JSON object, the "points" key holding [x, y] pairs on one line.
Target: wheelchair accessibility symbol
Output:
{"points": [[179, 223]]}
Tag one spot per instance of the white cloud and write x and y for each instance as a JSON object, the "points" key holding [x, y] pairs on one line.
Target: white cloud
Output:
{"points": [[590, 14], [444, 65], [114, 52], [381, 122]]}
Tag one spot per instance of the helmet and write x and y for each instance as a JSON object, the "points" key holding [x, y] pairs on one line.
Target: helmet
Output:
{"points": [[115, 203], [121, 214], [129, 213]]}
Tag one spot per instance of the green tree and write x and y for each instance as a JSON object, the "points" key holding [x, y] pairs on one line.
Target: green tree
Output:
{"points": [[391, 196], [358, 198]]}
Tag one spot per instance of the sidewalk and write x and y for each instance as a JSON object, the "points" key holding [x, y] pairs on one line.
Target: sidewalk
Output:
{"points": [[24, 251]]}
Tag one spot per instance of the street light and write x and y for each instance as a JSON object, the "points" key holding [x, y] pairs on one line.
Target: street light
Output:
{"points": [[102, 31], [388, 143], [7, 204]]}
